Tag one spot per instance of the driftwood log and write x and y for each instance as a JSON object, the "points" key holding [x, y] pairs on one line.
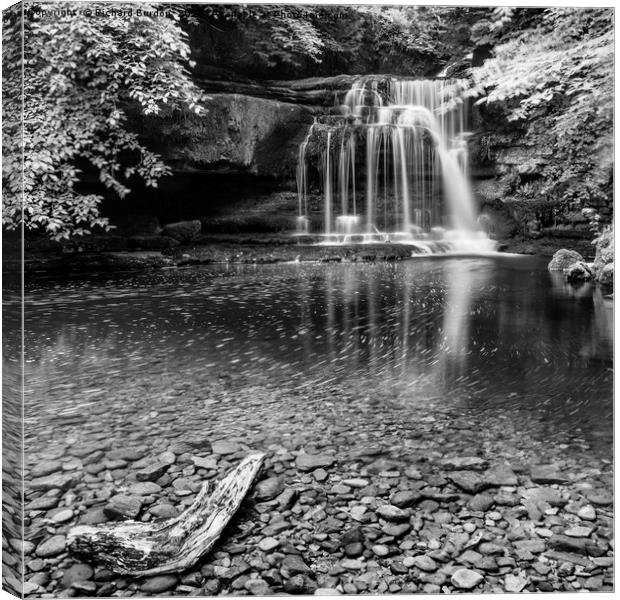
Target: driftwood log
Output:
{"points": [[173, 545]]}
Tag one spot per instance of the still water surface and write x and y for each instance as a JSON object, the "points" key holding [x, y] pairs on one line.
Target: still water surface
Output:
{"points": [[479, 332]]}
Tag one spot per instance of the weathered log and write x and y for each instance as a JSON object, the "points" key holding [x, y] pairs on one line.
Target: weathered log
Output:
{"points": [[173, 545]]}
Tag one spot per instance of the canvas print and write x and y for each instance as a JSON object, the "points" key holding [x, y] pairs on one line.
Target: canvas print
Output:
{"points": [[307, 299]]}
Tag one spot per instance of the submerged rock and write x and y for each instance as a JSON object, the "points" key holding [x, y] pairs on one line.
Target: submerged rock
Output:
{"points": [[546, 474], [309, 462], [469, 481], [563, 259]]}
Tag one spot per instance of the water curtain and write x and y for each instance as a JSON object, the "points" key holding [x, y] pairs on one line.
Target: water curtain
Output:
{"points": [[393, 165]]}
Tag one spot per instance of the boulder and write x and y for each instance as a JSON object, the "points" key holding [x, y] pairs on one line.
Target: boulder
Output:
{"points": [[183, 231], [606, 275], [563, 259], [604, 244], [577, 272]]}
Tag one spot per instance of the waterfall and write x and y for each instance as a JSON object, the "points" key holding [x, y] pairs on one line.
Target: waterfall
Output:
{"points": [[408, 177]]}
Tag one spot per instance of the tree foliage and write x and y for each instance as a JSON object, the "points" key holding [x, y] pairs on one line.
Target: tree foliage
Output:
{"points": [[269, 41], [80, 70], [555, 78]]}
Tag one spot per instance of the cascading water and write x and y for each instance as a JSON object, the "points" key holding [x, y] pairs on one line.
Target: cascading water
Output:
{"points": [[395, 166]]}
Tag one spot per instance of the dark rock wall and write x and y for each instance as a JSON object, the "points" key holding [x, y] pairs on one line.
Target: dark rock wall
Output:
{"points": [[507, 167]]}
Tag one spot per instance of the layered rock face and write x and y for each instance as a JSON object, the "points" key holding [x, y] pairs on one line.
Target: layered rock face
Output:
{"points": [[508, 170], [239, 134]]}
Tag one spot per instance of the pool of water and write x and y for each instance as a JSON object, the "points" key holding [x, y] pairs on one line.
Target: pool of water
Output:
{"points": [[495, 333]]}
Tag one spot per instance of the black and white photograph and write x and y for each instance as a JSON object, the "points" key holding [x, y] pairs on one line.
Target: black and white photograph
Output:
{"points": [[307, 299]]}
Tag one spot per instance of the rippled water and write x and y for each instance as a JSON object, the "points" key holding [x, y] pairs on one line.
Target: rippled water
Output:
{"points": [[481, 332]]}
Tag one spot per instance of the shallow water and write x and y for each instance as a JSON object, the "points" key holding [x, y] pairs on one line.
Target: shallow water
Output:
{"points": [[467, 333]]}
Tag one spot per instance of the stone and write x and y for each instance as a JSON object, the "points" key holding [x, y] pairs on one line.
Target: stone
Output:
{"points": [[52, 546], [211, 587], [268, 544], [356, 483], [599, 497], [60, 481], [84, 588], [225, 448], [587, 513], [464, 463], [320, 475], [151, 472], [276, 527], [340, 489], [570, 544], [183, 231], [561, 557], [481, 502], [158, 584], [424, 563], [500, 475], [354, 549], [515, 583], [578, 531], [466, 579], [299, 584], [396, 530], [43, 503], [546, 474], [544, 495], [204, 463], [123, 507], [77, 572], [326, 592], [293, 565], [352, 535], [287, 498], [471, 557], [380, 550], [405, 498], [93, 517], [145, 488], [164, 511], [563, 259], [352, 564], [258, 587], [61, 515], [309, 462], [183, 484], [533, 546], [489, 548], [46, 467], [392, 513], [468, 481]]}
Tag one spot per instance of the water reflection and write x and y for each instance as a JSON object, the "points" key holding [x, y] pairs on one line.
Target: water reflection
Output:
{"points": [[469, 331]]}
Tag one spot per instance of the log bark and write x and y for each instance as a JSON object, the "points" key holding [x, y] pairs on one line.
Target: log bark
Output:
{"points": [[173, 545]]}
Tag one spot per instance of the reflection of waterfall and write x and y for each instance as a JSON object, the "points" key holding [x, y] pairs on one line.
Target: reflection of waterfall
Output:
{"points": [[453, 357], [411, 168]]}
